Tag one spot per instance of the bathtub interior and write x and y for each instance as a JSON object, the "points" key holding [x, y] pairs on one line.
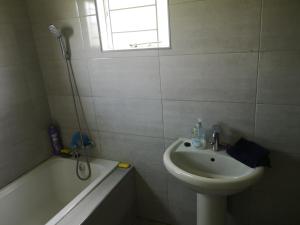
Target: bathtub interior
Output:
{"points": [[39, 195], [66, 186]]}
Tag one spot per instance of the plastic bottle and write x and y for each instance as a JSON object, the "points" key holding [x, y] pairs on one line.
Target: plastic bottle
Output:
{"points": [[199, 136], [55, 139]]}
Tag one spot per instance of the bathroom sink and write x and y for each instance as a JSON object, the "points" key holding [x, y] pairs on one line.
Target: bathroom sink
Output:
{"points": [[207, 171]]}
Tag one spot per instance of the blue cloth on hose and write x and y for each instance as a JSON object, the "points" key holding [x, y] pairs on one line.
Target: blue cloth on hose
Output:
{"points": [[76, 140]]}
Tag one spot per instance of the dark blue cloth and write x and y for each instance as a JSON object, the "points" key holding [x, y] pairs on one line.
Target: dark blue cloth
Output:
{"points": [[76, 140], [250, 153]]}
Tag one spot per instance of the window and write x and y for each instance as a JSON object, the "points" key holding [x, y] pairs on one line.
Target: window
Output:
{"points": [[133, 24]]}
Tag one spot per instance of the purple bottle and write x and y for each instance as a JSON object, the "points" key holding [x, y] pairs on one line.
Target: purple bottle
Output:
{"points": [[55, 139]]}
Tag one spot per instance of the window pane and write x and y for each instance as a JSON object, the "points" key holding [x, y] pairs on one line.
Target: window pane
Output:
{"points": [[163, 24], [104, 23], [143, 18], [118, 4], [133, 24], [135, 40]]}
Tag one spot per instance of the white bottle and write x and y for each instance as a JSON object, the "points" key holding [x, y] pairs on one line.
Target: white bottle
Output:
{"points": [[199, 137]]}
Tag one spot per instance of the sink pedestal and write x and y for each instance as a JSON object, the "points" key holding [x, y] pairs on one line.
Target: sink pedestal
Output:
{"points": [[211, 209]]}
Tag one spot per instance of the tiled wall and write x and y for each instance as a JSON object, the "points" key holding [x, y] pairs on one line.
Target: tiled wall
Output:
{"points": [[233, 62], [24, 110]]}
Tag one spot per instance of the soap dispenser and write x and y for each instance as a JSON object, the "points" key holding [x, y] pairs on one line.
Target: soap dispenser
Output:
{"points": [[199, 136]]}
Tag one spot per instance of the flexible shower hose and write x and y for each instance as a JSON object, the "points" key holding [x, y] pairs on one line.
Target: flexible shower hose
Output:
{"points": [[75, 93]]}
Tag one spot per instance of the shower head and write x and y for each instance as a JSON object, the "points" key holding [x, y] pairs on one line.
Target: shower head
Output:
{"points": [[55, 31]]}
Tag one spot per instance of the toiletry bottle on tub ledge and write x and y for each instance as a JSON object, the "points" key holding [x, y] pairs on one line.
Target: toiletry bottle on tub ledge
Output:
{"points": [[55, 139]]}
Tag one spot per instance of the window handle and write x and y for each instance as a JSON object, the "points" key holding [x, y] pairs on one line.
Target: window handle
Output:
{"points": [[135, 45]]}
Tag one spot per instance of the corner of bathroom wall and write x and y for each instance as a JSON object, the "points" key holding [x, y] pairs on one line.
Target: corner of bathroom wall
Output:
{"points": [[24, 111]]}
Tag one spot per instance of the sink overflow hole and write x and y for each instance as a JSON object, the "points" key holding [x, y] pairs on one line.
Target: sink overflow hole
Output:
{"points": [[212, 159]]}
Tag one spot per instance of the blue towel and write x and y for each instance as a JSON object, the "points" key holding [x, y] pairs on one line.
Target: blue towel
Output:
{"points": [[76, 140], [250, 153]]}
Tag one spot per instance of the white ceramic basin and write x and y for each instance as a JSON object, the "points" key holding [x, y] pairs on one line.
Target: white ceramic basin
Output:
{"points": [[209, 172]]}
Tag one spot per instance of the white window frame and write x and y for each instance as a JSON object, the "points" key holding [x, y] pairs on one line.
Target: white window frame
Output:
{"points": [[105, 28]]}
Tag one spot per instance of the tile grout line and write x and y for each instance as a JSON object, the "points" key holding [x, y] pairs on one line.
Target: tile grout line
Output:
{"points": [[163, 127], [258, 67], [181, 100], [100, 147]]}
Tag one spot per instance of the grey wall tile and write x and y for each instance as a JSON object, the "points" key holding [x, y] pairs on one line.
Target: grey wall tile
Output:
{"points": [[134, 149], [277, 127], [169, 141], [48, 49], [22, 139], [182, 203], [214, 26], [82, 77], [91, 37], [41, 114], [8, 34], [25, 43], [13, 12], [280, 26], [132, 116], [235, 119], [240, 208], [86, 7], [52, 10], [35, 82], [40, 30], [271, 203], [133, 77], [267, 193], [182, 1], [63, 112], [16, 121], [24, 111], [285, 167], [279, 78], [21, 160], [57, 79], [213, 77], [151, 176], [9, 54], [13, 86]]}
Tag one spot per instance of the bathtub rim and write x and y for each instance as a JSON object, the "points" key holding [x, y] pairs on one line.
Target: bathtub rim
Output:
{"points": [[109, 164], [77, 199]]}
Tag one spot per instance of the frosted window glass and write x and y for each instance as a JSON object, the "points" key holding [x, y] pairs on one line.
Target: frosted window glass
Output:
{"points": [[119, 4], [163, 24], [126, 20], [133, 24], [135, 40]]}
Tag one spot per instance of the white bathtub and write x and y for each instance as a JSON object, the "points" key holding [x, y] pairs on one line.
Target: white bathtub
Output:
{"points": [[47, 193]]}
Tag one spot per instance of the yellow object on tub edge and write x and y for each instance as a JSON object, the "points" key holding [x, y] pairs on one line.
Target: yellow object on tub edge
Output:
{"points": [[124, 165]]}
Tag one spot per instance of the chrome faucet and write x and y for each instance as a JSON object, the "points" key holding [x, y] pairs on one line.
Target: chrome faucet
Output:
{"points": [[215, 138]]}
